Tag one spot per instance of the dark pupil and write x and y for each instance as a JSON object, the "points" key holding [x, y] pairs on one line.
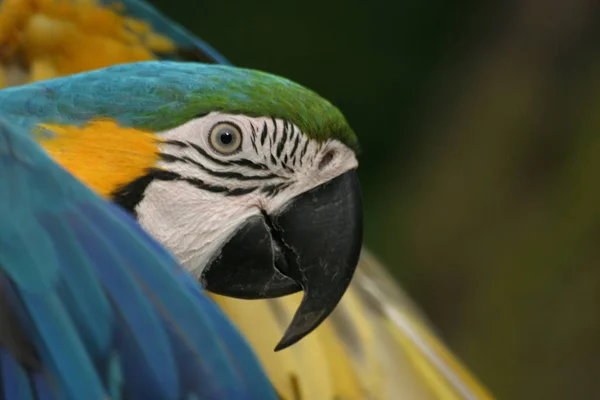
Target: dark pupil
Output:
{"points": [[226, 137]]}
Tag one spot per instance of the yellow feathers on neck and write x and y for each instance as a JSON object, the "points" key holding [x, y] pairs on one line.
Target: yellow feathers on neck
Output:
{"points": [[101, 153]]}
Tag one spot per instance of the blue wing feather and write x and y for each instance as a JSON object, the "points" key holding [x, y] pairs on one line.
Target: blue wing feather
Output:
{"points": [[106, 310], [14, 378], [44, 388], [242, 354], [198, 330], [149, 357]]}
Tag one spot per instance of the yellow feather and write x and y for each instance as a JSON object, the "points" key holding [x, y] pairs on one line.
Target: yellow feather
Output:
{"points": [[435, 372], [376, 345], [358, 337], [299, 372], [325, 373], [344, 379], [101, 153]]}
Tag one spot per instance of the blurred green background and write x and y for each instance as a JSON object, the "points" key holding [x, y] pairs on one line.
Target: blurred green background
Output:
{"points": [[479, 123]]}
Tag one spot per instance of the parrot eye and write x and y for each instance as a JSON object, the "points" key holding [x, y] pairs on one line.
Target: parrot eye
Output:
{"points": [[225, 138]]}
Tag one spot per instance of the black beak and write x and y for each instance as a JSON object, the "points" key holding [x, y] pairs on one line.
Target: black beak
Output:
{"points": [[312, 244]]}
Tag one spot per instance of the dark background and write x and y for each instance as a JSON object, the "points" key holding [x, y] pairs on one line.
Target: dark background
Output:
{"points": [[479, 123]]}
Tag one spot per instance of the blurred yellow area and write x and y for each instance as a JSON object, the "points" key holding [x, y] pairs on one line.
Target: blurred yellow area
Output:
{"points": [[376, 345], [41, 39]]}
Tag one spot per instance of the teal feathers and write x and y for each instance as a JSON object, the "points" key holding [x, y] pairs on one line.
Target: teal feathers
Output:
{"points": [[159, 95], [91, 307]]}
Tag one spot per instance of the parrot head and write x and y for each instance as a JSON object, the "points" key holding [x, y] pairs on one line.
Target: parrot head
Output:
{"points": [[250, 179]]}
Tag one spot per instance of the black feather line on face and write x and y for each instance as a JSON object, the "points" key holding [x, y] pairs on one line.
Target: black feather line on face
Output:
{"points": [[249, 164], [204, 153], [282, 140], [303, 152], [218, 174], [296, 143], [280, 148], [286, 127], [253, 139], [131, 194], [263, 134], [200, 184], [275, 131], [272, 190]]}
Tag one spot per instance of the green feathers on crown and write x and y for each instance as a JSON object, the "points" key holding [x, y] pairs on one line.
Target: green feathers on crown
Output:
{"points": [[254, 93]]}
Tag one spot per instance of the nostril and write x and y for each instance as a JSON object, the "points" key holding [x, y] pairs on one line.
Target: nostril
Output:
{"points": [[326, 159]]}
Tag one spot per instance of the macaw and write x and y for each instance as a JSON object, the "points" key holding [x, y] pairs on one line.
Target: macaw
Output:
{"points": [[375, 344]]}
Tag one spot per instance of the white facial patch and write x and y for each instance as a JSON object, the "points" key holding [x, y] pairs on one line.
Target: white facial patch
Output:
{"points": [[214, 193]]}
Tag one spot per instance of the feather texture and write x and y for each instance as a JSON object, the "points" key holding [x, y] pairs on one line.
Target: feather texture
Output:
{"points": [[376, 345], [106, 312]]}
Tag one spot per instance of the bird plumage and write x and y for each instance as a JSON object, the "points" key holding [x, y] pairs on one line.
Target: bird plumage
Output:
{"points": [[107, 312], [374, 346]]}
